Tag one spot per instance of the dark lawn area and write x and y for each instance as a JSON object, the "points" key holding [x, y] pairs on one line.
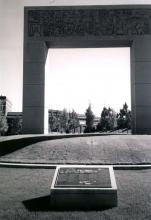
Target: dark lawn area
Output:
{"points": [[110, 149], [24, 194]]}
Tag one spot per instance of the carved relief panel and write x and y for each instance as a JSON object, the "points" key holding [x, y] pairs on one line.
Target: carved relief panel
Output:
{"points": [[82, 22]]}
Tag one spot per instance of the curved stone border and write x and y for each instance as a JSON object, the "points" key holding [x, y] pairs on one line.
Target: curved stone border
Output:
{"points": [[132, 167], [27, 165], [53, 166], [45, 137]]}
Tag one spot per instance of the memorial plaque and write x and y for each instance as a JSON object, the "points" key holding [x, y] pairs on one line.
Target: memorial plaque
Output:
{"points": [[83, 177], [83, 187]]}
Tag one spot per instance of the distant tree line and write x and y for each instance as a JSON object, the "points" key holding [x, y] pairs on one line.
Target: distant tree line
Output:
{"points": [[68, 122], [63, 121], [109, 120]]}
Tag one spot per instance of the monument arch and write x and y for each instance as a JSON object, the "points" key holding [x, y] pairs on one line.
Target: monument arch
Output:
{"points": [[85, 27]]}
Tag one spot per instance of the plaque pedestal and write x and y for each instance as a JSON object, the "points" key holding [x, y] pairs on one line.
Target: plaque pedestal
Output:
{"points": [[83, 187]]}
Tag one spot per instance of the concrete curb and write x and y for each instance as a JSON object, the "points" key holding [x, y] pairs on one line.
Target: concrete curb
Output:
{"points": [[132, 167], [28, 165], [53, 166]]}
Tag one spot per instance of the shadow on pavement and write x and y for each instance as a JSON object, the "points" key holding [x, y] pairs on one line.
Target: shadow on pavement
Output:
{"points": [[38, 204], [44, 204]]}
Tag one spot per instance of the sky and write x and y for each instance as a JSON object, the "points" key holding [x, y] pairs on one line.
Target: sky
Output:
{"points": [[11, 41], [75, 78]]}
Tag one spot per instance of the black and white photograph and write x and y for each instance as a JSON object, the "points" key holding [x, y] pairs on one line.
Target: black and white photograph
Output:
{"points": [[75, 109]]}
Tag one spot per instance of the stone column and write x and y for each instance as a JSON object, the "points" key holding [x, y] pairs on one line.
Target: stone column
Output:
{"points": [[141, 85], [35, 54]]}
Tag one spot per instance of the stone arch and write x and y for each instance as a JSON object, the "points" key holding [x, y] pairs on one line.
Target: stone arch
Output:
{"points": [[86, 26]]}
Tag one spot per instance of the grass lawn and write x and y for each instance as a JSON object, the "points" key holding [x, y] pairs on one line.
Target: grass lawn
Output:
{"points": [[114, 149], [24, 194]]}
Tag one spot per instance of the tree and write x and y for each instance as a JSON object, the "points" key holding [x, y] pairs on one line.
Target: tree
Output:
{"points": [[103, 123], [108, 120], [17, 125], [64, 121], [54, 121], [124, 118], [89, 120], [73, 121], [112, 119], [3, 124]]}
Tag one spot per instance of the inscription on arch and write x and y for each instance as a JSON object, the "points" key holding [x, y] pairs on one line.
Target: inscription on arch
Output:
{"points": [[80, 22]]}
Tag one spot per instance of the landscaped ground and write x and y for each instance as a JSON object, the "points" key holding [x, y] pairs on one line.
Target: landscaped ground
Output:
{"points": [[114, 149], [24, 194]]}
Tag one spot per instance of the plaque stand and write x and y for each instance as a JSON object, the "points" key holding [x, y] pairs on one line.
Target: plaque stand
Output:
{"points": [[83, 187]]}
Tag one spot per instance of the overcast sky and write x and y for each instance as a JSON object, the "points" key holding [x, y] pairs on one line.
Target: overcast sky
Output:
{"points": [[11, 46]]}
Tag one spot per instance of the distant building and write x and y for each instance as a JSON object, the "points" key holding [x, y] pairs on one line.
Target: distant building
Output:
{"points": [[14, 120], [82, 120], [5, 105], [56, 113]]}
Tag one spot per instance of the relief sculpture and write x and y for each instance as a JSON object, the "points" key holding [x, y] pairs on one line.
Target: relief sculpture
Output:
{"points": [[96, 22]]}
